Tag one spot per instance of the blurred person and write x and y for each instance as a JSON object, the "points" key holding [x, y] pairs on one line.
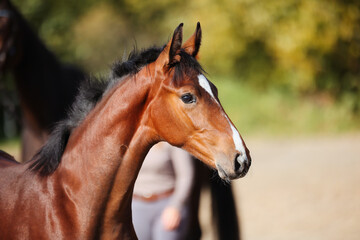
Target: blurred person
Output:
{"points": [[162, 190]]}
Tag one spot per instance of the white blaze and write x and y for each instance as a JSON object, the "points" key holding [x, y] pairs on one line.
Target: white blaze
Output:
{"points": [[237, 139], [204, 83]]}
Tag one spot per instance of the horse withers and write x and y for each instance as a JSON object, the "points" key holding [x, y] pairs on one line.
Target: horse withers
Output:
{"points": [[80, 184]]}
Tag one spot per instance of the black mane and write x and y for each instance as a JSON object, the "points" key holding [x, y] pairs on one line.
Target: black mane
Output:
{"points": [[90, 93]]}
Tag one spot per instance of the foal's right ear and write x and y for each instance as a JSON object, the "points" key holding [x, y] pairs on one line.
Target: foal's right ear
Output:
{"points": [[170, 53]]}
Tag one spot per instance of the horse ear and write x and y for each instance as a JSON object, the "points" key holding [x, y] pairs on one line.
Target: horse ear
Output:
{"points": [[192, 45], [170, 53], [176, 44]]}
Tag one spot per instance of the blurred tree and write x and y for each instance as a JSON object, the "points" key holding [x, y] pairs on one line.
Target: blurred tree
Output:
{"points": [[93, 51], [305, 46]]}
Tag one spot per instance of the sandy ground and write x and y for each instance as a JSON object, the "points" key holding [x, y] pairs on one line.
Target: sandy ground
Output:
{"points": [[301, 188], [304, 188]]}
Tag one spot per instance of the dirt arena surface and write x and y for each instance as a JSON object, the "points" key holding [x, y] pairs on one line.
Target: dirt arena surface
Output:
{"points": [[299, 188]]}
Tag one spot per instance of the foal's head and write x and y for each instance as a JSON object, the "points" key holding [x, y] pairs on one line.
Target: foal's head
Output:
{"points": [[187, 113]]}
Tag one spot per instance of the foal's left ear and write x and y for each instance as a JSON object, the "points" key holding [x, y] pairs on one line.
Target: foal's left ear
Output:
{"points": [[192, 45], [170, 53], [176, 42]]}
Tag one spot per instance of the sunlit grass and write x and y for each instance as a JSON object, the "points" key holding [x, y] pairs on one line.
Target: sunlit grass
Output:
{"points": [[11, 146], [274, 112]]}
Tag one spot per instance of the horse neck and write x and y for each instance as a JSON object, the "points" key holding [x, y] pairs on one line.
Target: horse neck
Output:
{"points": [[111, 139], [117, 219]]}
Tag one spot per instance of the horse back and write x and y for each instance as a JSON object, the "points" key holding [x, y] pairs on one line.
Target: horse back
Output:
{"points": [[7, 160]]}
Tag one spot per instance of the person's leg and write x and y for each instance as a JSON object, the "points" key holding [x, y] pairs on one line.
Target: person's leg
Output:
{"points": [[143, 215]]}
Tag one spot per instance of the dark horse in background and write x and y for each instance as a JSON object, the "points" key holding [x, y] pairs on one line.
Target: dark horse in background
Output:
{"points": [[46, 88]]}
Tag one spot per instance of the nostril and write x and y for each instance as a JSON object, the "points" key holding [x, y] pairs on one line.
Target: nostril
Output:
{"points": [[238, 165]]}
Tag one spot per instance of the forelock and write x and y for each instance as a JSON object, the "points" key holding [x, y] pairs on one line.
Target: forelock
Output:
{"points": [[188, 66]]}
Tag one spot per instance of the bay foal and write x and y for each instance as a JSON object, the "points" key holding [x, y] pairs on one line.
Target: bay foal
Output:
{"points": [[79, 186]]}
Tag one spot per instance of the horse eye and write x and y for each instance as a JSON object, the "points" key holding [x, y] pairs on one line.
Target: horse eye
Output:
{"points": [[188, 98]]}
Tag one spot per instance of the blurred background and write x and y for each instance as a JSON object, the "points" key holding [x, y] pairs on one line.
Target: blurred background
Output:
{"points": [[288, 74]]}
